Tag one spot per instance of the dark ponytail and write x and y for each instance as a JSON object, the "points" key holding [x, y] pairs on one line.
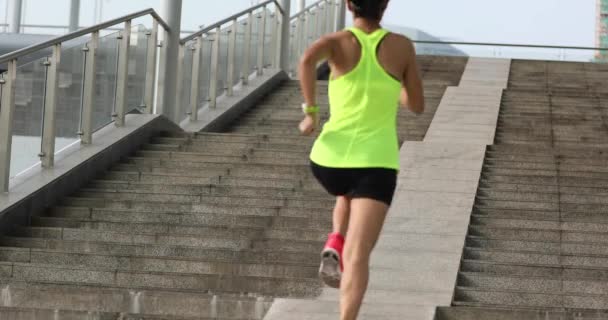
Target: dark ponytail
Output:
{"points": [[369, 9]]}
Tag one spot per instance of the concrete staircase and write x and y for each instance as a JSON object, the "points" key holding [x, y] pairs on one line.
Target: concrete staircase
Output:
{"points": [[191, 226], [536, 245]]}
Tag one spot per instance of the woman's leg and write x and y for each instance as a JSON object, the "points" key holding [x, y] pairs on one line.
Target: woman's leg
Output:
{"points": [[341, 215], [366, 221]]}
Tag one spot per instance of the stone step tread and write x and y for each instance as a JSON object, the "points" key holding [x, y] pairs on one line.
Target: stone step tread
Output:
{"points": [[207, 214], [55, 314], [163, 265], [159, 301], [152, 280], [211, 232], [100, 202], [184, 212], [262, 245], [572, 226], [507, 299], [222, 239], [253, 256], [218, 189], [534, 270], [198, 196], [196, 163], [237, 257], [477, 312], [533, 258]]}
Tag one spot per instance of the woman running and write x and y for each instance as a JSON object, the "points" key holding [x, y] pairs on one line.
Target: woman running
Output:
{"points": [[356, 156]]}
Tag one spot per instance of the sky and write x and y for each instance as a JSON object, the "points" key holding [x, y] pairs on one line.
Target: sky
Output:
{"points": [[546, 22]]}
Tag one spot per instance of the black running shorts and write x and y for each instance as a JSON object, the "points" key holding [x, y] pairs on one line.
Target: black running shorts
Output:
{"points": [[372, 183]]}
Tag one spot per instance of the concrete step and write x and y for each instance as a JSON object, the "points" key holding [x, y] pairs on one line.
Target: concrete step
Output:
{"points": [[23, 250], [516, 299], [98, 199], [55, 314], [222, 222], [37, 235], [199, 157], [168, 265], [161, 304], [175, 213], [201, 164], [195, 265], [152, 280], [193, 189], [279, 245], [477, 313], [114, 232]]}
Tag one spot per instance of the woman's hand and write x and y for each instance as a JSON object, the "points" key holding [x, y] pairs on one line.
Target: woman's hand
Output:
{"points": [[308, 125]]}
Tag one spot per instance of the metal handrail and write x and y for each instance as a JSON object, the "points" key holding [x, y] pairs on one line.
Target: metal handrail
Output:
{"points": [[305, 10], [276, 55], [508, 45], [229, 19], [50, 26], [76, 34]]}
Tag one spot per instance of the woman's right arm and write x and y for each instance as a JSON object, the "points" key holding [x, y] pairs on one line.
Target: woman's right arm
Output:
{"points": [[412, 94]]}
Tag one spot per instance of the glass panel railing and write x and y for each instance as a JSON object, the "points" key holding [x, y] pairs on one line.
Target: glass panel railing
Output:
{"points": [[222, 70], [293, 45], [69, 95], [137, 68], [255, 41], [268, 38], [205, 75], [27, 119], [184, 104], [239, 50], [105, 79]]}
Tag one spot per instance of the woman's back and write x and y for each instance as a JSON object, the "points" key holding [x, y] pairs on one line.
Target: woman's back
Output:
{"points": [[363, 96]]}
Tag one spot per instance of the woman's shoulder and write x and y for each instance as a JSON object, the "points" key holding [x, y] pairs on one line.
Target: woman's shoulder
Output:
{"points": [[399, 39]]}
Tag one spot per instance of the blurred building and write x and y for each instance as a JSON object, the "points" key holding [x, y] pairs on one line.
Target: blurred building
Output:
{"points": [[602, 29]]}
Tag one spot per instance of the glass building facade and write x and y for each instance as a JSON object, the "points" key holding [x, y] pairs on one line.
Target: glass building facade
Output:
{"points": [[602, 28]]}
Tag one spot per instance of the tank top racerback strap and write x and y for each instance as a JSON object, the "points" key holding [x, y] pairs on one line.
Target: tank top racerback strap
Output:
{"points": [[369, 42]]}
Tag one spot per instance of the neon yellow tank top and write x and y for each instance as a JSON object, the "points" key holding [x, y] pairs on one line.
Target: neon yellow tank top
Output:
{"points": [[362, 129]]}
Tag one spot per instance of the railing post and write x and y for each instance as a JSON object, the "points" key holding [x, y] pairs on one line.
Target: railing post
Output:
{"points": [[247, 52], [123, 74], [150, 86], [179, 91], [7, 109], [47, 154], [215, 54], [285, 30], [261, 42], [88, 102], [231, 57], [196, 75]]}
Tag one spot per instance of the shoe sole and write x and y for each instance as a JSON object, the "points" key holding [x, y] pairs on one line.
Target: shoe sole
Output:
{"points": [[329, 271]]}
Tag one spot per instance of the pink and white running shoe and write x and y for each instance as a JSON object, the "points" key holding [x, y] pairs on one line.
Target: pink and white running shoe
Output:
{"points": [[331, 261]]}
